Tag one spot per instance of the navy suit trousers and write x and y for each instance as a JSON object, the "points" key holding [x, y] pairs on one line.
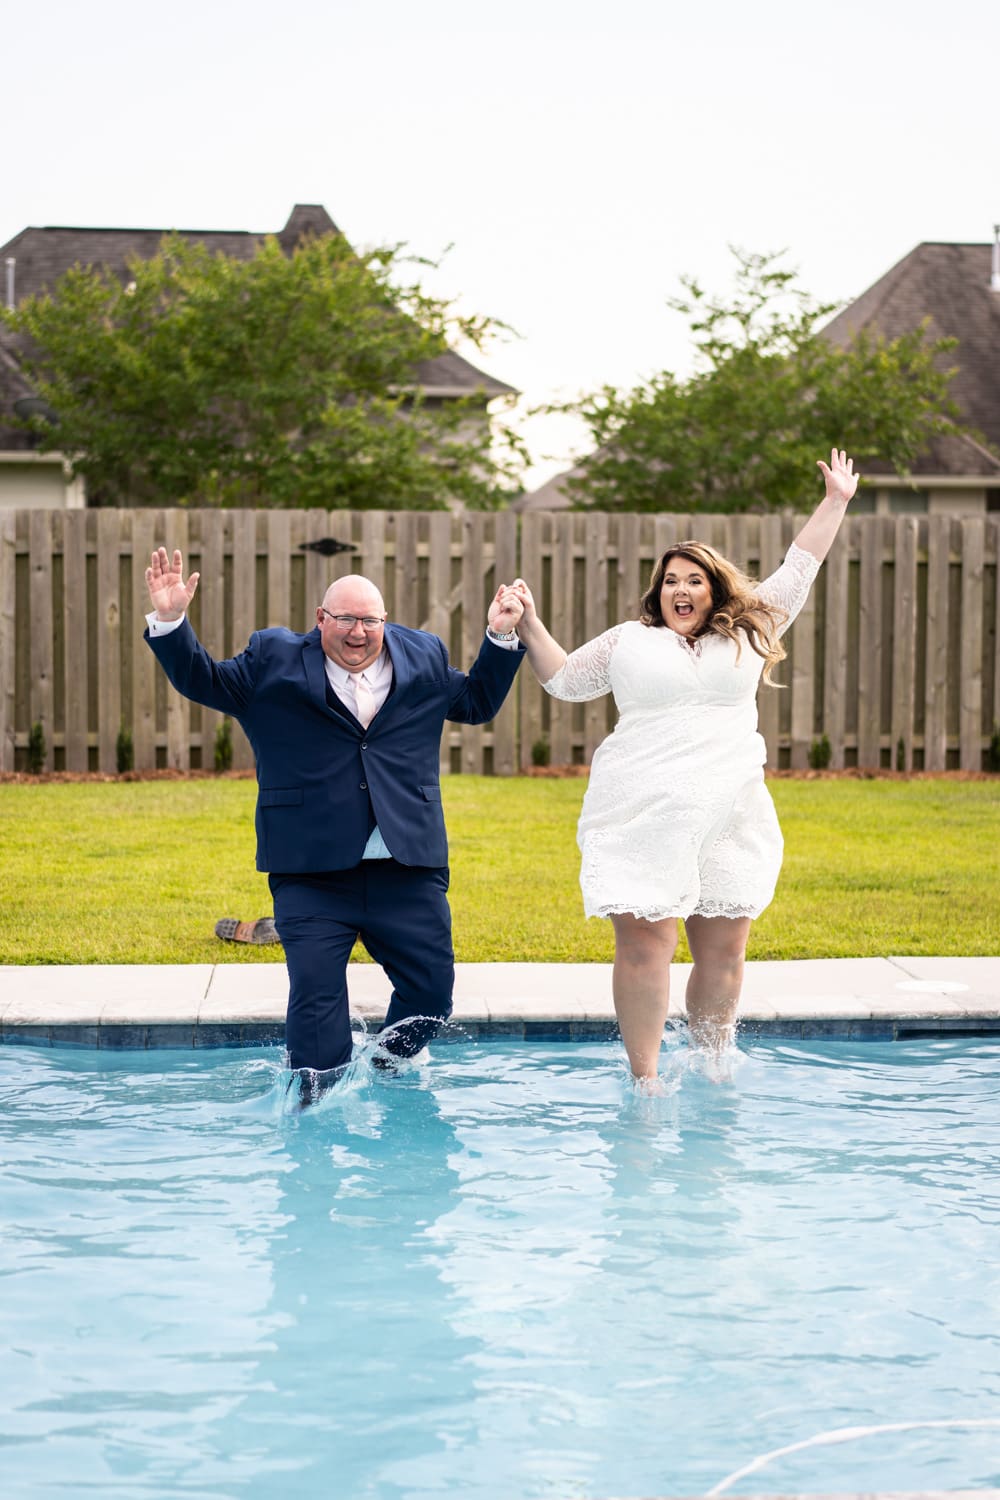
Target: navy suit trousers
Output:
{"points": [[401, 914]]}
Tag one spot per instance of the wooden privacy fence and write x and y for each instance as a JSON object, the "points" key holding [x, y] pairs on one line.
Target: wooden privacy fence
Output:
{"points": [[894, 658]]}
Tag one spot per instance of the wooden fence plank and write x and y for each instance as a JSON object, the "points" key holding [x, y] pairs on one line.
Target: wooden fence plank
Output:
{"points": [[970, 729], [630, 585], [278, 564], [74, 625], [801, 641], [737, 544], [835, 647], [177, 738], [561, 615], [8, 636], [438, 620], [531, 694], [870, 652], [211, 601], [148, 530], [936, 700], [993, 529], [244, 606], [664, 537], [904, 627], [319, 569], [406, 571], [372, 561], [40, 652], [110, 524]]}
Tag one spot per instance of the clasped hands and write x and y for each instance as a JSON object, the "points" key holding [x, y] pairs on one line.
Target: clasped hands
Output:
{"points": [[512, 606]]}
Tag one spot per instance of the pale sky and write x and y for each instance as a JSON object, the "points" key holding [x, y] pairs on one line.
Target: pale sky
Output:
{"points": [[579, 157]]}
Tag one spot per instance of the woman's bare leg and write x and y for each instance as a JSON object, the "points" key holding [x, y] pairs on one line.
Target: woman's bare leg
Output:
{"points": [[643, 953], [718, 947]]}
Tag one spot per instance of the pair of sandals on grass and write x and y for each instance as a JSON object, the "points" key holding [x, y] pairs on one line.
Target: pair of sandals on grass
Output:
{"points": [[232, 930]]}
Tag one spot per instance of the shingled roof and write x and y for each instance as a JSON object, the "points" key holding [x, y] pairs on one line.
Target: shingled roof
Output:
{"points": [[42, 255], [951, 285]]}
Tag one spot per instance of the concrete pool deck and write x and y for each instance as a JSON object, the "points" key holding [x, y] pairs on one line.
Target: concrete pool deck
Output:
{"points": [[238, 1004]]}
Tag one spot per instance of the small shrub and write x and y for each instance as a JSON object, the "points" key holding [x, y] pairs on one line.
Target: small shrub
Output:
{"points": [[540, 753], [820, 753], [124, 751], [993, 750], [37, 749], [224, 746]]}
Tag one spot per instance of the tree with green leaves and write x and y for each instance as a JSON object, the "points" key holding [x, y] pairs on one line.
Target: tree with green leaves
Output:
{"points": [[274, 381], [769, 393]]}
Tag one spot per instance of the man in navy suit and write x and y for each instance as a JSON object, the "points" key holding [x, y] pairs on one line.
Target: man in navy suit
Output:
{"points": [[345, 724]]}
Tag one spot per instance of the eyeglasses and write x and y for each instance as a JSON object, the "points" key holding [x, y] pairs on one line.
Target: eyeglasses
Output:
{"points": [[345, 623]]}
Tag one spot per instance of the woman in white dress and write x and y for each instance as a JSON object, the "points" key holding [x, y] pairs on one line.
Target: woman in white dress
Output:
{"points": [[677, 822]]}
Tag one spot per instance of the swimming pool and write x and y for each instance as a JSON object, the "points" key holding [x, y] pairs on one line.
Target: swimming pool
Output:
{"points": [[499, 1274]]}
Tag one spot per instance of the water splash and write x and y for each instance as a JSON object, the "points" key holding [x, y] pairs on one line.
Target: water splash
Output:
{"points": [[372, 1064], [684, 1057]]}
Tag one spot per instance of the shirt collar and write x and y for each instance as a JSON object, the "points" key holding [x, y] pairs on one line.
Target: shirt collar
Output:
{"points": [[341, 677]]}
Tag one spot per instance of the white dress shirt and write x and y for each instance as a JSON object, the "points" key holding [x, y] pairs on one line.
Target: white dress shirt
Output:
{"points": [[379, 679]]}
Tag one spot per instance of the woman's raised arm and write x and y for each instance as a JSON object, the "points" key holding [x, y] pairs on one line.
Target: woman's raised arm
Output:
{"points": [[818, 534], [544, 652]]}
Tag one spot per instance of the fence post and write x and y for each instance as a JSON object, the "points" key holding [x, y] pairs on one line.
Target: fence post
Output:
{"points": [[970, 728], [936, 700], [904, 628], [110, 525], [244, 606], [40, 643], [8, 626], [870, 651], [74, 627], [835, 646]]}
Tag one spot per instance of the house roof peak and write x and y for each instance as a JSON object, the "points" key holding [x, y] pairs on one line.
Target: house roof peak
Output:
{"points": [[306, 219], [947, 282]]}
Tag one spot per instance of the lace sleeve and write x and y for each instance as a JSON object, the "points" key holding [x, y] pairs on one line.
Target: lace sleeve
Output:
{"points": [[586, 673], [789, 587]]}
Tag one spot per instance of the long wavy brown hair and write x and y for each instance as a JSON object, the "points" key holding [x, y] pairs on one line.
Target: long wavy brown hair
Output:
{"points": [[737, 611]]}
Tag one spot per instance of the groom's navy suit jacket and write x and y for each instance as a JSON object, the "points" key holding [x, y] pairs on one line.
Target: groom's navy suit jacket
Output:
{"points": [[320, 775]]}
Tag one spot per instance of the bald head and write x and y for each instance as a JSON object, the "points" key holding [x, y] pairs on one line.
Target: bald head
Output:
{"points": [[353, 595]]}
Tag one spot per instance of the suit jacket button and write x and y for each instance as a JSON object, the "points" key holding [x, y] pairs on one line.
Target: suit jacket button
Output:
{"points": [[364, 746], [364, 786]]}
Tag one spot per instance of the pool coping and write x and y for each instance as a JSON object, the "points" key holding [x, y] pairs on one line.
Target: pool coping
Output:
{"points": [[243, 1004]]}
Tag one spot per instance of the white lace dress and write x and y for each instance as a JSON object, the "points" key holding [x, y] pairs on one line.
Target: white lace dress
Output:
{"points": [[677, 820]]}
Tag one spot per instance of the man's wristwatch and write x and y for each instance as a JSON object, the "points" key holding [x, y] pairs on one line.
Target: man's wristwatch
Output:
{"points": [[501, 635]]}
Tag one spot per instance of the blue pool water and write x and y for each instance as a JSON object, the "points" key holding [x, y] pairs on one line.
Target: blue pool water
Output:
{"points": [[499, 1275]]}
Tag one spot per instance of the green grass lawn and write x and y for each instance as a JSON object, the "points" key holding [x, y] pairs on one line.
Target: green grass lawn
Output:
{"points": [[138, 872]]}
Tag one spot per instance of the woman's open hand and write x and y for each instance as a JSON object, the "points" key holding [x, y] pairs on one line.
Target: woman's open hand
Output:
{"points": [[841, 480]]}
